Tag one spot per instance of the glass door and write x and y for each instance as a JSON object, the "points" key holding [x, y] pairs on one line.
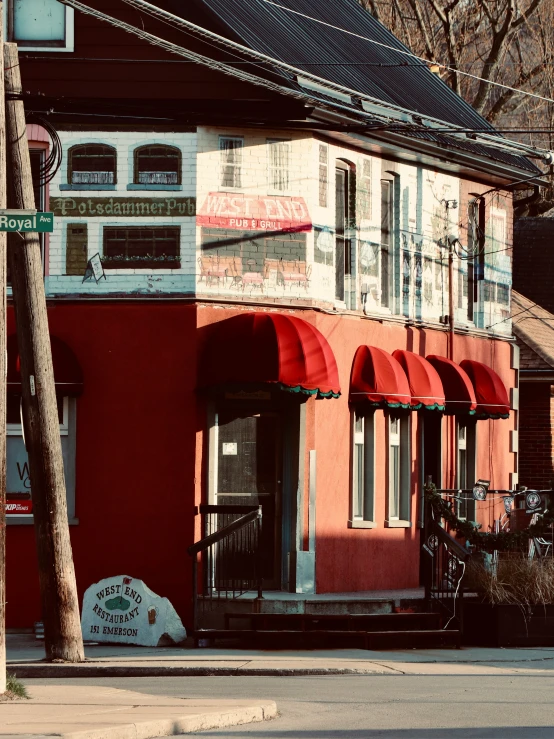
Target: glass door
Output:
{"points": [[249, 471]]}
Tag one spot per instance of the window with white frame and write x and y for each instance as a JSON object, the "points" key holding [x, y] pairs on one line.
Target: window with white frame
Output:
{"points": [[40, 25], [399, 470], [323, 175], [497, 235], [230, 152], [18, 479], [466, 430], [364, 191], [363, 471], [387, 245], [279, 156]]}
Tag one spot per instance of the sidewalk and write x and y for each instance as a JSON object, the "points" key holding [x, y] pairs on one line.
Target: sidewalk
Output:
{"points": [[76, 712], [25, 655]]}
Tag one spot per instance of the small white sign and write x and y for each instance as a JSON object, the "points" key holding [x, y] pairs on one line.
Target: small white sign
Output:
{"points": [[97, 268], [230, 449]]}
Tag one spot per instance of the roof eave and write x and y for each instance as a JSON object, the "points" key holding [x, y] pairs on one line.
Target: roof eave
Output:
{"points": [[397, 144]]}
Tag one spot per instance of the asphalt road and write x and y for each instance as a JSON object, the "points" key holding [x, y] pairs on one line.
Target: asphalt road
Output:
{"points": [[364, 707]]}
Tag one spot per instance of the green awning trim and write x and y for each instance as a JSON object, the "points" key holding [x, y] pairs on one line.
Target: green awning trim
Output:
{"points": [[308, 391], [434, 407], [493, 417]]}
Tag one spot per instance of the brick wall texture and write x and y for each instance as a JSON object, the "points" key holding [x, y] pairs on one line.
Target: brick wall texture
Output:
{"points": [[536, 424], [533, 257]]}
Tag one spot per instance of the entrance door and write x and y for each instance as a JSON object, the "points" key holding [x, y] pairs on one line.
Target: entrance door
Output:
{"points": [[249, 471]]}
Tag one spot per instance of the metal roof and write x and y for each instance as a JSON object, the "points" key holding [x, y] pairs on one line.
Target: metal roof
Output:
{"points": [[352, 62]]}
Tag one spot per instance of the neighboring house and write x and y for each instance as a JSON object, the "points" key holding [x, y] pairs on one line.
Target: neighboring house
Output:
{"points": [[534, 255], [534, 330], [269, 242]]}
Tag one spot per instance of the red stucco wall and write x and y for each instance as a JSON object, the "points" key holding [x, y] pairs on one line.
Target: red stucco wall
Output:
{"points": [[141, 452], [135, 452]]}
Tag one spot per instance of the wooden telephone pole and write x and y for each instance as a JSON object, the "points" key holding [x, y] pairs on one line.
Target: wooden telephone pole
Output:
{"points": [[60, 606], [3, 242]]}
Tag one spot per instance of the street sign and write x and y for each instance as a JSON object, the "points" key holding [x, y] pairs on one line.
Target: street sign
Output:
{"points": [[25, 221]]}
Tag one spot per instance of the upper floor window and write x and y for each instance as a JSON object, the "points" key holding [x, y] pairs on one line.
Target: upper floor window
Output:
{"points": [[92, 164], [230, 151], [40, 25], [323, 175], [387, 245], [157, 165], [364, 191], [279, 163]]}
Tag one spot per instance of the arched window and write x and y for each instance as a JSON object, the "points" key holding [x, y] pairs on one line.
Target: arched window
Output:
{"points": [[157, 165], [92, 164]]}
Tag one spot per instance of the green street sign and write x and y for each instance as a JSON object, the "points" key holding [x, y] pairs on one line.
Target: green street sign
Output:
{"points": [[23, 221]]}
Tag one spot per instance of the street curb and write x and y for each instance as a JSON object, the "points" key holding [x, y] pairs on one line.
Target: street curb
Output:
{"points": [[40, 671], [178, 725]]}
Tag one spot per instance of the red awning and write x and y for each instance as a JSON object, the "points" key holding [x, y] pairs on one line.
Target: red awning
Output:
{"points": [[490, 391], [254, 348], [425, 383], [458, 390], [378, 379], [68, 375]]}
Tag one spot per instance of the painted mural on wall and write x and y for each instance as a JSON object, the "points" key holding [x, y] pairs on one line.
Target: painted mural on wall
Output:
{"points": [[253, 244], [253, 261]]}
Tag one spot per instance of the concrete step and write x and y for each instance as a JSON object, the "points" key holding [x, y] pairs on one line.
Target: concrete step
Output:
{"points": [[332, 622], [268, 639]]}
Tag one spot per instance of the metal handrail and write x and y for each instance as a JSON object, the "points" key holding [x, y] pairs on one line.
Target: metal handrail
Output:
{"points": [[207, 542], [254, 514]]}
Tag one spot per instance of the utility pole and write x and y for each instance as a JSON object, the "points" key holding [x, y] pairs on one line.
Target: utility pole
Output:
{"points": [[3, 242], [58, 589]]}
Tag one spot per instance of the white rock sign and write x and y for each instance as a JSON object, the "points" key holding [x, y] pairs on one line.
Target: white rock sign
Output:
{"points": [[123, 610]]}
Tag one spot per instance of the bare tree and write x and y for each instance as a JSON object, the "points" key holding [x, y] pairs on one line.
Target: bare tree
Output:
{"points": [[505, 41]]}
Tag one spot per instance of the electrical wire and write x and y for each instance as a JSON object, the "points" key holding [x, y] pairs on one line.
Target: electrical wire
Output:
{"points": [[188, 27], [410, 54], [50, 166]]}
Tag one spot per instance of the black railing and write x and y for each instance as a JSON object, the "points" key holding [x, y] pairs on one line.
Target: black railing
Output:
{"points": [[446, 561], [230, 555]]}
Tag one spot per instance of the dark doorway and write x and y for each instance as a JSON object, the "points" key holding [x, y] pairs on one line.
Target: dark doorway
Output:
{"points": [[249, 472], [432, 447]]}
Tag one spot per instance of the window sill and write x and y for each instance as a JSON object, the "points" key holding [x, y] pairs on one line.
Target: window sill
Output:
{"points": [[142, 264], [88, 187], [359, 524], [396, 523], [29, 520], [154, 187]]}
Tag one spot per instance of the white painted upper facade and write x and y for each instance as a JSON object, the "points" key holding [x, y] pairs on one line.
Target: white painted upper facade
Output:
{"points": [[280, 217]]}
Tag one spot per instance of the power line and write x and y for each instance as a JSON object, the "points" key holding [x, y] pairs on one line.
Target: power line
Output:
{"points": [[188, 27], [411, 54]]}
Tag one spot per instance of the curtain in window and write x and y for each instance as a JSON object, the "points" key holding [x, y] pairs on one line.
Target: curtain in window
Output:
{"points": [[231, 160], [279, 156]]}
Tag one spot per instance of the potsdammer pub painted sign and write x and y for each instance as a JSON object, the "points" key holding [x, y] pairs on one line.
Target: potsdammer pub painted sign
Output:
{"points": [[117, 206]]}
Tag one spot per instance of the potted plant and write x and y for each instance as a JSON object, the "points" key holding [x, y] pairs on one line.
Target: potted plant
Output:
{"points": [[514, 606]]}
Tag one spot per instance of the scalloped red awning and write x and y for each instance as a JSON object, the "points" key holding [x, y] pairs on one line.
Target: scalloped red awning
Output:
{"points": [[254, 348], [458, 390], [425, 383], [378, 379], [490, 391], [68, 375]]}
